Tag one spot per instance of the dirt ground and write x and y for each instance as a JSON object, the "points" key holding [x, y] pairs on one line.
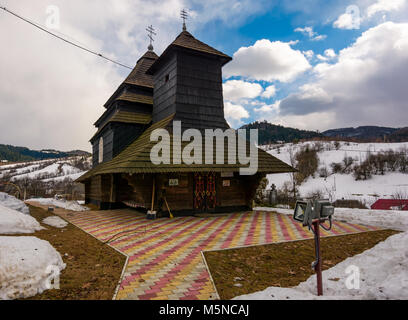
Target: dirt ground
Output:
{"points": [[282, 264], [93, 269]]}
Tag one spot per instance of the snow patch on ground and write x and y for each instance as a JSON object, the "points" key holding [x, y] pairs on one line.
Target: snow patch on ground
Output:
{"points": [[383, 276], [387, 219], [13, 203], [15, 222], [26, 264], [72, 177], [68, 205], [56, 222]]}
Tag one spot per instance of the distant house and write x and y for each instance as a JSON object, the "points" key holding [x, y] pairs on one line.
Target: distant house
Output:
{"points": [[391, 204]]}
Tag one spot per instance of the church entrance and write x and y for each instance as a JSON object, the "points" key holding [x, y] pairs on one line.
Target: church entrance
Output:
{"points": [[205, 194]]}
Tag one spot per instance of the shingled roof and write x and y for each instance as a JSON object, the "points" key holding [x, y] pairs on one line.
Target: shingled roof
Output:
{"points": [[126, 117], [136, 159], [187, 41], [133, 97], [137, 76]]}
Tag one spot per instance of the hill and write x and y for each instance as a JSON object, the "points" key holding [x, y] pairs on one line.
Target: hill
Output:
{"points": [[399, 136], [270, 133], [17, 154], [364, 133]]}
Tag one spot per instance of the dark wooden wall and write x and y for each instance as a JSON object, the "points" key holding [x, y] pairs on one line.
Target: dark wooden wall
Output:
{"points": [[232, 196], [107, 135], [199, 97], [164, 94], [124, 134], [116, 137], [190, 85]]}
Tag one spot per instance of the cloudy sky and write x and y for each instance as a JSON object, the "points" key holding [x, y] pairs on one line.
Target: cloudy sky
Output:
{"points": [[311, 64]]}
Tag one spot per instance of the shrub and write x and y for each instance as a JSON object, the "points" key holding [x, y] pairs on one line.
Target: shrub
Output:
{"points": [[336, 167], [259, 194], [323, 172], [353, 204], [316, 194], [387, 161], [307, 163]]}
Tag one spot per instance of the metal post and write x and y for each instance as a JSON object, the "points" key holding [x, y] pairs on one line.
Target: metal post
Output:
{"points": [[318, 264]]}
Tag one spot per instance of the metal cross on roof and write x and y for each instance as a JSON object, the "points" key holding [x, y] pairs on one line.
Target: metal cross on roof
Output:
{"points": [[184, 16], [150, 34]]}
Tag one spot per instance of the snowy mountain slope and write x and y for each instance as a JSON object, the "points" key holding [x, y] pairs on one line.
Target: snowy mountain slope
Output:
{"points": [[45, 170], [339, 186]]}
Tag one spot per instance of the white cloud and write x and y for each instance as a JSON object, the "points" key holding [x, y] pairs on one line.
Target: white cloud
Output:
{"points": [[365, 85], [385, 6], [322, 58], [236, 90], [234, 113], [347, 21], [362, 12], [320, 37], [268, 109], [308, 54], [329, 54], [308, 31], [312, 121], [268, 61], [269, 92]]}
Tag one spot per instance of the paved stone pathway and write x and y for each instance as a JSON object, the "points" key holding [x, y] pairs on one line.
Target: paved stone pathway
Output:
{"points": [[165, 259]]}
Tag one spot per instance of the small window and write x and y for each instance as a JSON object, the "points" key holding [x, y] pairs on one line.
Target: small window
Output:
{"points": [[100, 155], [167, 78]]}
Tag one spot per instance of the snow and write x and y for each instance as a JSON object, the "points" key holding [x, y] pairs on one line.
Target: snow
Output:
{"points": [[56, 222], [15, 222], [13, 203], [49, 170], [387, 219], [72, 176], [26, 264], [383, 275], [58, 169], [68, 205], [339, 186]]}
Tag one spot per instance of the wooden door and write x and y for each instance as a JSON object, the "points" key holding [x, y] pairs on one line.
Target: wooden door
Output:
{"points": [[205, 192]]}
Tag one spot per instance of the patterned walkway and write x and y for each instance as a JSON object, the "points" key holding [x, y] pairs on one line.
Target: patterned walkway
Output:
{"points": [[165, 259]]}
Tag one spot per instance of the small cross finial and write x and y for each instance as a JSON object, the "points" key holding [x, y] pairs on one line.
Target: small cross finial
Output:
{"points": [[184, 16], [150, 34]]}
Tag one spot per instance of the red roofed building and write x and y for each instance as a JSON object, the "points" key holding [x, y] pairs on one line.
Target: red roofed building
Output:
{"points": [[391, 204]]}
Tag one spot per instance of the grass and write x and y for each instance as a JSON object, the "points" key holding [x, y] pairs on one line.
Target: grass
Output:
{"points": [[93, 269], [282, 264]]}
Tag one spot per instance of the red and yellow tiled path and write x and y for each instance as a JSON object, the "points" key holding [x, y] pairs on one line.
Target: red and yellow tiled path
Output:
{"points": [[165, 259]]}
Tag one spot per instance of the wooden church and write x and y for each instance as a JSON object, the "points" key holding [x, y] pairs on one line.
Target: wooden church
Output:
{"points": [[183, 84]]}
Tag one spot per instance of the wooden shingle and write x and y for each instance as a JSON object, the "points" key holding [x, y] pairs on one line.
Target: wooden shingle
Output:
{"points": [[136, 159]]}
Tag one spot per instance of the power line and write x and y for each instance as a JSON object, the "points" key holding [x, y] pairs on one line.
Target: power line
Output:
{"points": [[65, 40]]}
